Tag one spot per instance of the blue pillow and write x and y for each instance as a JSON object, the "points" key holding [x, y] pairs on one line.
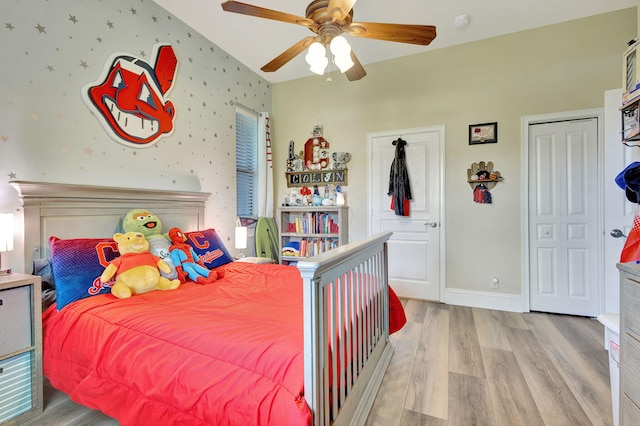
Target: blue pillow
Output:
{"points": [[209, 248], [77, 265]]}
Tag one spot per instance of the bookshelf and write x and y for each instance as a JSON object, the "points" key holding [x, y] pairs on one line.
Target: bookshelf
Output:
{"points": [[307, 231]]}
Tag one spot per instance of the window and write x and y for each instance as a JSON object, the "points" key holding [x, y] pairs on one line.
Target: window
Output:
{"points": [[246, 162]]}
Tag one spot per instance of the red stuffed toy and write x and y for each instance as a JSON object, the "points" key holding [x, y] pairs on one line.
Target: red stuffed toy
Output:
{"points": [[187, 262]]}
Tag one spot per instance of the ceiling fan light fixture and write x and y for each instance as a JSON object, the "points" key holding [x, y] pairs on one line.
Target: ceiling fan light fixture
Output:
{"points": [[319, 66], [341, 51], [340, 46], [316, 58], [344, 63]]}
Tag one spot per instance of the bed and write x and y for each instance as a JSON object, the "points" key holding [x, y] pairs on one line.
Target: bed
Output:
{"points": [[266, 344]]}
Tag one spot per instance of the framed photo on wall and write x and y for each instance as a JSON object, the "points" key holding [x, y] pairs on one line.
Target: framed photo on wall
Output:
{"points": [[483, 133]]}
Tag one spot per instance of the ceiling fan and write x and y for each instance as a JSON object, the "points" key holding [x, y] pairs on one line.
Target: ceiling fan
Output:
{"points": [[328, 19]]}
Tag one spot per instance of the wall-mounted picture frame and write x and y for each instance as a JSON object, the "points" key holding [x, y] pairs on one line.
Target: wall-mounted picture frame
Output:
{"points": [[483, 133]]}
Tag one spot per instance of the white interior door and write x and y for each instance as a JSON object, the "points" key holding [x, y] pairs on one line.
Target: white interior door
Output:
{"points": [[415, 251], [563, 217]]}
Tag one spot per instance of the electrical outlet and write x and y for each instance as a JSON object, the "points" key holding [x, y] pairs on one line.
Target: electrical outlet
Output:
{"points": [[495, 282]]}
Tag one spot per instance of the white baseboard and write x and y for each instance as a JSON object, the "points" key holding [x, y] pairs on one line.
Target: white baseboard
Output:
{"points": [[483, 299]]}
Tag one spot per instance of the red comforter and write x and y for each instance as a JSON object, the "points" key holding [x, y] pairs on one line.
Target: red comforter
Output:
{"points": [[228, 353]]}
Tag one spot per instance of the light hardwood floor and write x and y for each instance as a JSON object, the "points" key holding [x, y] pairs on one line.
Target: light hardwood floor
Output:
{"points": [[464, 366]]}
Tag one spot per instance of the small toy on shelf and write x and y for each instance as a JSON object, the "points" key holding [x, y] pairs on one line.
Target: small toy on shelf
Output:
{"points": [[339, 196], [340, 160]]}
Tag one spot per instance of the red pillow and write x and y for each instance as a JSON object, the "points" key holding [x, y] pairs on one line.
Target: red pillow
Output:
{"points": [[397, 317]]}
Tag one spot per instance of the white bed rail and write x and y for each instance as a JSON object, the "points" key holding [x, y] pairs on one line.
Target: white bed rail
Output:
{"points": [[346, 330]]}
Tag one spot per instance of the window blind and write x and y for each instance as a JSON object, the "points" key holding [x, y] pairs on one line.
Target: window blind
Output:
{"points": [[246, 162]]}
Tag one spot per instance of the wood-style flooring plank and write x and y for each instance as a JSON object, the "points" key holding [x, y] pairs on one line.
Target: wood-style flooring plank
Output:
{"points": [[418, 419], [389, 402], [415, 311], [513, 403], [469, 401], [489, 326], [556, 403], [464, 348], [584, 334], [588, 386], [514, 320], [429, 385]]}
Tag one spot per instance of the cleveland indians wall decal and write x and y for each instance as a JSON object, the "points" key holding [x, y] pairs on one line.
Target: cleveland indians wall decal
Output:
{"points": [[129, 99]]}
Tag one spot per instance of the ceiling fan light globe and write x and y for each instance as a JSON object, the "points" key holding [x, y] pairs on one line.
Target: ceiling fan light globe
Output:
{"points": [[319, 65], [343, 62], [340, 46], [317, 49], [316, 55]]}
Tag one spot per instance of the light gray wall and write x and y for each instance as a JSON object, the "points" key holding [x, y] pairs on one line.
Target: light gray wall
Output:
{"points": [[557, 68], [48, 134]]}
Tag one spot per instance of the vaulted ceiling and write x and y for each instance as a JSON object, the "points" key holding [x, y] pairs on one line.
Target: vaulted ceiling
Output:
{"points": [[256, 41]]}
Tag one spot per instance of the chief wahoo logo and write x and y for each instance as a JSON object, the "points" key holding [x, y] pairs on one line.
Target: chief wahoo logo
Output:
{"points": [[129, 99]]}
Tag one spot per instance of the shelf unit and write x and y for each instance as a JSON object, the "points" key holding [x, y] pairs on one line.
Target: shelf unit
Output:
{"points": [[315, 229], [630, 121], [20, 348]]}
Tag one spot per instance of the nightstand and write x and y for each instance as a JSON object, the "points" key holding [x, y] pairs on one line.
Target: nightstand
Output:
{"points": [[20, 348]]}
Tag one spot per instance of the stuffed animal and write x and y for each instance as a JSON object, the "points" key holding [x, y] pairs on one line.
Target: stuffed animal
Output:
{"points": [[149, 225], [188, 264], [136, 270]]}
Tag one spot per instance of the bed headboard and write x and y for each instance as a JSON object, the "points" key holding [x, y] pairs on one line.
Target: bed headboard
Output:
{"points": [[77, 211]]}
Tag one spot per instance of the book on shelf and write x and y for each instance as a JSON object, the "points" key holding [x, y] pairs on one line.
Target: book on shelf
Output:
{"points": [[314, 223]]}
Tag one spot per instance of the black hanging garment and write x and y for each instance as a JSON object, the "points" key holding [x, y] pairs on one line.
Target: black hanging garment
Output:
{"points": [[399, 187]]}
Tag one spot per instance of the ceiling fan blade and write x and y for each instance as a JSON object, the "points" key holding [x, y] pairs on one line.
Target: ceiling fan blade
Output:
{"points": [[261, 12], [288, 54], [339, 9], [402, 33], [356, 72]]}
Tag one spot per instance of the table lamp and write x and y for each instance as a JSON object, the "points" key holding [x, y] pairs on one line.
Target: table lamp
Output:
{"points": [[6, 238], [241, 240]]}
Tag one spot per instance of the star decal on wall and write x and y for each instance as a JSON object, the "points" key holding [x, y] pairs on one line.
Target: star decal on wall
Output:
{"points": [[73, 19], [8, 26], [133, 11], [84, 64], [110, 24], [88, 151], [4, 138], [50, 68], [12, 175], [40, 29]]}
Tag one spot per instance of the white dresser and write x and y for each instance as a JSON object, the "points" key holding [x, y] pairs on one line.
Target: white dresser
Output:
{"points": [[629, 343], [20, 348]]}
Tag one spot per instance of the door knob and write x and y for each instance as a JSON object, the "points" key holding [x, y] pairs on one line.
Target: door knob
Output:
{"points": [[431, 224], [616, 233]]}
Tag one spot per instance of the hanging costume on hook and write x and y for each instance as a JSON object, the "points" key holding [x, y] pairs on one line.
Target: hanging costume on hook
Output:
{"points": [[399, 187], [481, 194]]}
